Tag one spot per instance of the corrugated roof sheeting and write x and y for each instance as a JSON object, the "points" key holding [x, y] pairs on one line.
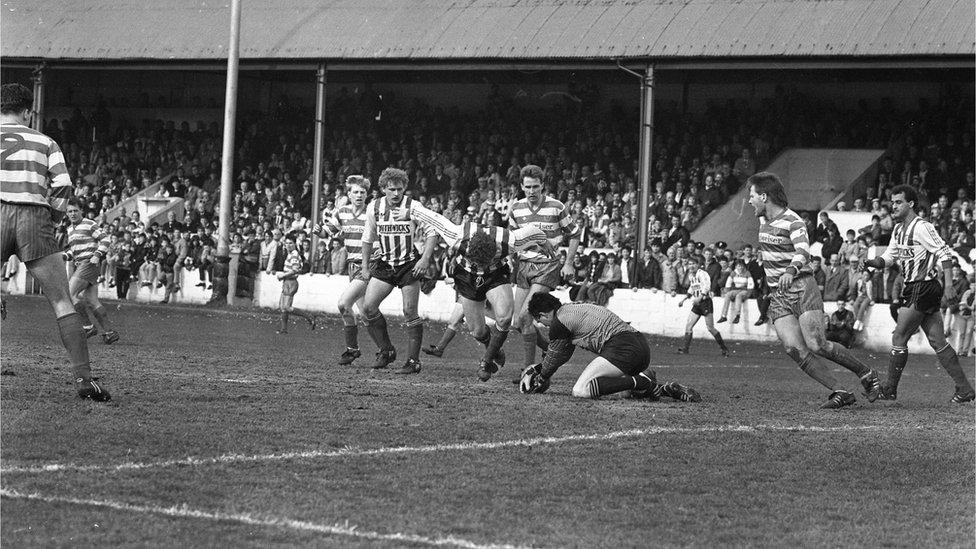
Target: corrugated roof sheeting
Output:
{"points": [[487, 29]]}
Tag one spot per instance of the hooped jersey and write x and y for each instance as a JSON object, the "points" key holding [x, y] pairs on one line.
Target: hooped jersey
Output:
{"points": [[32, 169], [551, 216], [918, 249], [347, 224], [784, 242], [84, 239]]}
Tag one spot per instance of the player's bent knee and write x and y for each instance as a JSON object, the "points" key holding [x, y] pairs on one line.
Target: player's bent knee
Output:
{"points": [[585, 388]]}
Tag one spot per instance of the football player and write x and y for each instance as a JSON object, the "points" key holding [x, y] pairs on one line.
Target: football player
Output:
{"points": [[397, 266], [536, 272], [481, 275], [349, 222], [623, 354], [917, 248], [796, 306], [87, 246], [701, 305]]}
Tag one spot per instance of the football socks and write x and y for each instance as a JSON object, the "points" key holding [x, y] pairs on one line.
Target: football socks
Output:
{"points": [[73, 338], [528, 343], [816, 369], [352, 336], [839, 354], [101, 316], [446, 338], [498, 338], [720, 341], [950, 361], [896, 365], [378, 331], [415, 336]]}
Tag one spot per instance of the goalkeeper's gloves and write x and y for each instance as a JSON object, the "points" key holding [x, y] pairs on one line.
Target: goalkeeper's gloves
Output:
{"points": [[533, 381]]}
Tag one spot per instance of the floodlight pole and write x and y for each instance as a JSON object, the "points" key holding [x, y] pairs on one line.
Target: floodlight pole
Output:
{"points": [[38, 77], [221, 270], [317, 155], [646, 155]]}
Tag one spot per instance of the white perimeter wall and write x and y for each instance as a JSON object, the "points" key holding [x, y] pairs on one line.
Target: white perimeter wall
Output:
{"points": [[649, 311]]}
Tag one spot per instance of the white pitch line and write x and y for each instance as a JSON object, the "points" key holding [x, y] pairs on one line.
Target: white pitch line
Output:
{"points": [[461, 446], [183, 511]]}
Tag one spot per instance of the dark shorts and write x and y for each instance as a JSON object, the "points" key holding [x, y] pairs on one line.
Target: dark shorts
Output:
{"points": [[395, 276], [355, 270], [802, 296], [703, 307], [628, 351], [289, 287], [87, 272], [476, 288], [27, 231], [545, 274], [925, 297]]}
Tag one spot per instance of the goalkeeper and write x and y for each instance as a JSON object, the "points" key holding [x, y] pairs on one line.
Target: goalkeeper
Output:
{"points": [[623, 353]]}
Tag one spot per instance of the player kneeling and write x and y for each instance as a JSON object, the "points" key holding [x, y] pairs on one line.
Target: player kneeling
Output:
{"points": [[623, 353]]}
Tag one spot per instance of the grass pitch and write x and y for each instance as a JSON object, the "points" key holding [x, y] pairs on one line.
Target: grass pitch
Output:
{"points": [[223, 434]]}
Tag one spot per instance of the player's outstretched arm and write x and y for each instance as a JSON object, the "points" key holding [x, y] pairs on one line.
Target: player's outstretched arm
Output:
{"points": [[433, 221]]}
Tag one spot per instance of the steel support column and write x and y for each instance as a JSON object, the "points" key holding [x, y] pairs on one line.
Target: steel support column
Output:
{"points": [[646, 155], [221, 270], [317, 154]]}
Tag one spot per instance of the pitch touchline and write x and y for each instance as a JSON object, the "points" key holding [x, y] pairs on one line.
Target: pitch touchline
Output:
{"points": [[461, 446], [184, 512]]}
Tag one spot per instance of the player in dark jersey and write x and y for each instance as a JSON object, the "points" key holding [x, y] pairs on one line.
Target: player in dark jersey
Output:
{"points": [[398, 266], [796, 305], [918, 249], [34, 192], [623, 354], [481, 275]]}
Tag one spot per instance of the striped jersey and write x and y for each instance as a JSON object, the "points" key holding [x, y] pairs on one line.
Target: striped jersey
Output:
{"points": [[551, 216], [395, 237], [345, 222], [32, 169], [588, 325], [84, 239], [458, 237], [783, 241], [699, 284], [918, 249]]}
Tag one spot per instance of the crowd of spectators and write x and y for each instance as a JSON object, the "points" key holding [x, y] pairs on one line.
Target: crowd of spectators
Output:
{"points": [[465, 165]]}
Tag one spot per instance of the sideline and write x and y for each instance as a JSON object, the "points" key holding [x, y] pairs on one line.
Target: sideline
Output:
{"points": [[185, 512], [461, 446]]}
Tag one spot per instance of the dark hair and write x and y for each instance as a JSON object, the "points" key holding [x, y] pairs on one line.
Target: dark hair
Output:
{"points": [[393, 175], [908, 191], [74, 201], [15, 98], [532, 171], [481, 249], [769, 184], [543, 303]]}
